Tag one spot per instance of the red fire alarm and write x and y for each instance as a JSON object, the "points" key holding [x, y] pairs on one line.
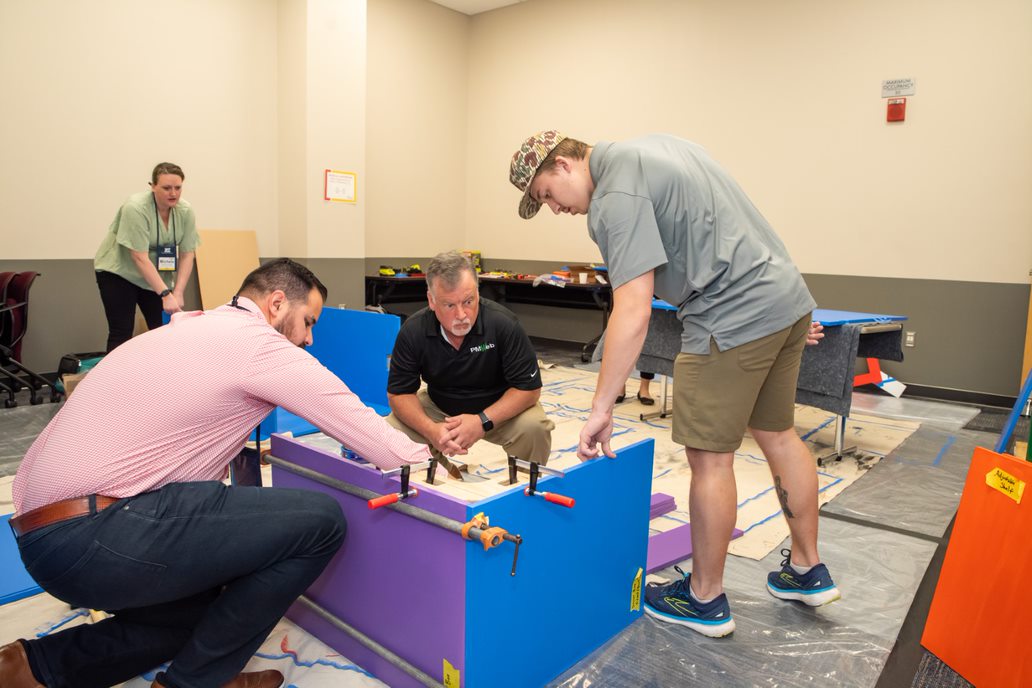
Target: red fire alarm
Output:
{"points": [[897, 110]]}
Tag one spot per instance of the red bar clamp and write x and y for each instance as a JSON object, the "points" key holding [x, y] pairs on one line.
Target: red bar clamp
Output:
{"points": [[535, 470], [405, 493]]}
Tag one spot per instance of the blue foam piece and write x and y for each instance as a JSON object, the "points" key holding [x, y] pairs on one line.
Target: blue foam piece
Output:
{"points": [[356, 347], [15, 581]]}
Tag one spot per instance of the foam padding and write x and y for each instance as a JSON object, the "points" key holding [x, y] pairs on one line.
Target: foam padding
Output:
{"points": [[15, 581], [355, 346], [661, 504]]}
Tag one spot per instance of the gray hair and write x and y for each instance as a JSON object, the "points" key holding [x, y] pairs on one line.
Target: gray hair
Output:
{"points": [[448, 268]]}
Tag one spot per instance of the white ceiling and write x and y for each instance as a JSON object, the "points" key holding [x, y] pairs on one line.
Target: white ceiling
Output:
{"points": [[472, 7]]}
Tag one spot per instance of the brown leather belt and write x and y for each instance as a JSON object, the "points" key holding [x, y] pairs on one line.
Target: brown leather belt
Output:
{"points": [[58, 511]]}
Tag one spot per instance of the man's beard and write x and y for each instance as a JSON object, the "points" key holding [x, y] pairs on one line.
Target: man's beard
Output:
{"points": [[461, 330], [286, 329]]}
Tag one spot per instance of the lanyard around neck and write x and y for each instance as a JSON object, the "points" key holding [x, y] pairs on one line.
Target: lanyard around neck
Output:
{"points": [[157, 220]]}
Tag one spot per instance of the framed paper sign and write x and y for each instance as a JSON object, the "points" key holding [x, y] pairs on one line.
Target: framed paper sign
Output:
{"points": [[339, 186]]}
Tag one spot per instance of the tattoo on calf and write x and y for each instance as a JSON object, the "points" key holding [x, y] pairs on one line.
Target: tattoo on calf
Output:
{"points": [[782, 497]]}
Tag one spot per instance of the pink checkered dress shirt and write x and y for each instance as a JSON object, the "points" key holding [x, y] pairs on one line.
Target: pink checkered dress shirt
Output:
{"points": [[176, 405]]}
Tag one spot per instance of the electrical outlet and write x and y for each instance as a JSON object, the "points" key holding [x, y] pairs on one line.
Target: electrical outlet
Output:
{"points": [[910, 339]]}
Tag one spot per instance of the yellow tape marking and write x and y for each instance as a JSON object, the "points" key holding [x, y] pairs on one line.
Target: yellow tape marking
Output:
{"points": [[451, 675], [636, 592]]}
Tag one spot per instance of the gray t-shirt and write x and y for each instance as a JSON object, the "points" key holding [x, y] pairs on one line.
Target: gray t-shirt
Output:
{"points": [[662, 203]]}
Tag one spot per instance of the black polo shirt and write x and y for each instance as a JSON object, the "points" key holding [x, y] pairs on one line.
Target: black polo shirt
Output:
{"points": [[494, 356]]}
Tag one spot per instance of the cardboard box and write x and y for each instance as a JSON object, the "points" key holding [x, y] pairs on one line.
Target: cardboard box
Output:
{"points": [[582, 274], [70, 380]]}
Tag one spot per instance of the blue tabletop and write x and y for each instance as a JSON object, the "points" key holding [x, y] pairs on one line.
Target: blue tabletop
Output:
{"points": [[830, 318], [825, 316]]}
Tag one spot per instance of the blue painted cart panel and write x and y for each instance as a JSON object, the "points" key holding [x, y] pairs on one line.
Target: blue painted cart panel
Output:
{"points": [[575, 576]]}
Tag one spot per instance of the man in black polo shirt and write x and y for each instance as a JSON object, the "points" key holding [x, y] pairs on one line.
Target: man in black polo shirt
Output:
{"points": [[480, 368]]}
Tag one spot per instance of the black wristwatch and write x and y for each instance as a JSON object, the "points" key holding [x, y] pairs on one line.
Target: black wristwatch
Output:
{"points": [[165, 293], [486, 422]]}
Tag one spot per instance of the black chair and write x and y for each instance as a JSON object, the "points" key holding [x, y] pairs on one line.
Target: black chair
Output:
{"points": [[14, 323], [5, 281]]}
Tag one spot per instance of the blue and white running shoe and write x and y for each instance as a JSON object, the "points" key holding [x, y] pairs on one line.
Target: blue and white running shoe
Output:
{"points": [[673, 603], [814, 587]]}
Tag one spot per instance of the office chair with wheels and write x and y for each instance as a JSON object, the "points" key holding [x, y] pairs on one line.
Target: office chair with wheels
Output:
{"points": [[5, 281], [15, 321]]}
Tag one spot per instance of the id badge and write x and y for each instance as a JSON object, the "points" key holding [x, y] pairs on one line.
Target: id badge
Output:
{"points": [[167, 258]]}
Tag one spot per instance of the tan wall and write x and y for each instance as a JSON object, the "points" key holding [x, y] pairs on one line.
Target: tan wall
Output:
{"points": [[416, 128], [256, 97], [292, 111], [336, 123], [322, 69], [96, 93], [787, 95]]}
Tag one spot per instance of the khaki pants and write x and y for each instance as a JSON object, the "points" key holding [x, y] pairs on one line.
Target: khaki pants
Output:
{"points": [[527, 436]]}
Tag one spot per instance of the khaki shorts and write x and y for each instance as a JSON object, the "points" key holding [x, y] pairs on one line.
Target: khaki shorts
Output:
{"points": [[753, 385]]}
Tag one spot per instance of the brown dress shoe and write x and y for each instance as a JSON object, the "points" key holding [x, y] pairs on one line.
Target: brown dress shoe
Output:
{"points": [[270, 678], [14, 667], [250, 679]]}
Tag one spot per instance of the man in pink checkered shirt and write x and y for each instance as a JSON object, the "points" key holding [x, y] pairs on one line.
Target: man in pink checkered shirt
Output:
{"points": [[120, 505]]}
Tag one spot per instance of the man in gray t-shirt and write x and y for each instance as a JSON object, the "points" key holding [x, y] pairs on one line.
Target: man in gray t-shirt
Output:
{"points": [[670, 221]]}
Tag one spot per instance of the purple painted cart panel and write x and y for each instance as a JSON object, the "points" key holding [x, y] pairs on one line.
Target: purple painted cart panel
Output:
{"points": [[424, 568]]}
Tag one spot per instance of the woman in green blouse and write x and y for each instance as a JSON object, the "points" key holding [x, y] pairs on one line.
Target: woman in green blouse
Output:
{"points": [[147, 255]]}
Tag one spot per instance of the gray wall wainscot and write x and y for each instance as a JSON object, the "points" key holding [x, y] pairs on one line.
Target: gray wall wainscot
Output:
{"points": [[66, 315], [970, 335]]}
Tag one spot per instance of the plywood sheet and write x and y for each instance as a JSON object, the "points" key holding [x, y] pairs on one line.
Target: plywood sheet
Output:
{"points": [[224, 259]]}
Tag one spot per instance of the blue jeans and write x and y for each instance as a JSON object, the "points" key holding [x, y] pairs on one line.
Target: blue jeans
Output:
{"points": [[196, 573]]}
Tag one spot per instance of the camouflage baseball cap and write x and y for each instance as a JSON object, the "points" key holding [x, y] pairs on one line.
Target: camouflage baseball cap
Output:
{"points": [[525, 164]]}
